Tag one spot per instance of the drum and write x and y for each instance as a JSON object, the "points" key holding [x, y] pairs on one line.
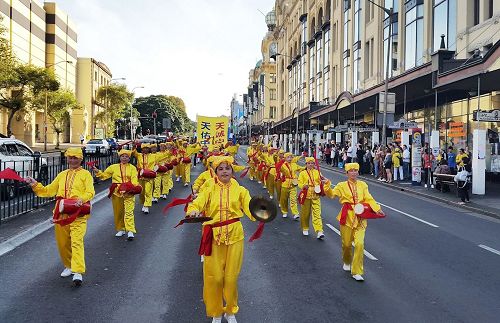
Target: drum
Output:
{"points": [[162, 169], [364, 210], [175, 162], [68, 206], [147, 173], [169, 166], [186, 160], [317, 189]]}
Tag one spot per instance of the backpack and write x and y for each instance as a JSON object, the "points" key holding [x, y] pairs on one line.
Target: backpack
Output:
{"points": [[462, 176]]}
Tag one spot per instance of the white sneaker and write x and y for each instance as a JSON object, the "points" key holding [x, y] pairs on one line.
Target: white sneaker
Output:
{"points": [[143, 208], [230, 318], [425, 185], [66, 272], [346, 267], [120, 234], [146, 210], [358, 277], [285, 215], [155, 200], [259, 182], [202, 258], [130, 236], [321, 235], [217, 319], [305, 232], [77, 279], [296, 217], [186, 184], [164, 196], [271, 197], [178, 179], [432, 185]]}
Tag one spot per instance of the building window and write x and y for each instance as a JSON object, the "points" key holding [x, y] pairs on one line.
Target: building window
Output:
{"points": [[414, 50], [311, 63], [356, 70], [326, 51], [444, 23], [369, 59], [326, 85], [346, 30], [282, 92], [490, 9], [345, 72], [272, 94], [272, 112], [370, 11], [476, 11], [345, 65], [272, 78], [95, 76], [304, 69], [391, 41], [290, 88], [357, 22], [318, 56], [311, 90]]}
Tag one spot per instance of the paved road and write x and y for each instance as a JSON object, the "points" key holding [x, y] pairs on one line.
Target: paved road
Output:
{"points": [[428, 268]]}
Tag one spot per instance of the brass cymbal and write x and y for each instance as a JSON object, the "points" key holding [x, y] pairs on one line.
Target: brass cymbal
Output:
{"points": [[263, 209]]}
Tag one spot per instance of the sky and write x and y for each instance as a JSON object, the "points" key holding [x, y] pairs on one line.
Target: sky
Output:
{"points": [[198, 50]]}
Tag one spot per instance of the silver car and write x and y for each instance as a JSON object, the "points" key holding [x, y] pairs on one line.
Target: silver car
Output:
{"points": [[97, 145]]}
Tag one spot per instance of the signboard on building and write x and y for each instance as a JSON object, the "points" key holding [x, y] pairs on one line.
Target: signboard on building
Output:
{"points": [[403, 124], [416, 157], [488, 116], [99, 133], [391, 102], [212, 131]]}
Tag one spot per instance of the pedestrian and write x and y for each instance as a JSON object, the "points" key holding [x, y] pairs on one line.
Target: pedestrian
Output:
{"points": [[397, 162], [310, 182], [328, 154], [223, 239], [360, 153], [350, 154], [462, 180], [428, 176], [352, 227], [452, 160], [459, 159], [334, 155], [124, 186], [442, 168], [388, 165], [82, 138], [74, 184], [406, 162], [376, 160]]}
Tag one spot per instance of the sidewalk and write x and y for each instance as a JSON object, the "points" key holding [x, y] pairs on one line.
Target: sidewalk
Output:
{"points": [[488, 204]]}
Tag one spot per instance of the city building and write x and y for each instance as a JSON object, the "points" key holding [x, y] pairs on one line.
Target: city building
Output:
{"points": [[91, 74], [42, 35], [238, 123], [440, 56]]}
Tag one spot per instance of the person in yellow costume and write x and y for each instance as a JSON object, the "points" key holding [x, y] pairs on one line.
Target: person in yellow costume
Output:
{"points": [[310, 180], [289, 182], [352, 227], [75, 183], [252, 153], [185, 152], [232, 149], [146, 161], [178, 169], [270, 172], [123, 204], [263, 158], [225, 203], [166, 178], [157, 180], [161, 182], [279, 159]]}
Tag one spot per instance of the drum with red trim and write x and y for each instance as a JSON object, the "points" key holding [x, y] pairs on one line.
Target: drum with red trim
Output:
{"points": [[68, 206], [147, 173], [129, 188], [186, 160]]}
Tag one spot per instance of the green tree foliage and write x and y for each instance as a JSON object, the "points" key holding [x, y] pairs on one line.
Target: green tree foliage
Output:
{"points": [[59, 105], [170, 107], [116, 100]]}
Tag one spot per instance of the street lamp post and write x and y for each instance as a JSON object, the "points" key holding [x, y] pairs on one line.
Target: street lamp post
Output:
{"points": [[45, 125], [131, 117]]}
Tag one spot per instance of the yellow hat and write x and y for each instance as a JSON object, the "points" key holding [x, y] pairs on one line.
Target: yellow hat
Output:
{"points": [[145, 145], [210, 159], [351, 166], [163, 144], [74, 152], [222, 159], [310, 159], [288, 155], [281, 151], [125, 152]]}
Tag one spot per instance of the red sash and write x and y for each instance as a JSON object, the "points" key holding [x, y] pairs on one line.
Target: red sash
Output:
{"points": [[69, 208], [207, 238]]}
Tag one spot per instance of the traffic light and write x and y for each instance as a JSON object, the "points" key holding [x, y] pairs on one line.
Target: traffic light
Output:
{"points": [[155, 115]]}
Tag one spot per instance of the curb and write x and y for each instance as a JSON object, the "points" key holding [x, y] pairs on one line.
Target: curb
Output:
{"points": [[37, 229], [429, 196]]}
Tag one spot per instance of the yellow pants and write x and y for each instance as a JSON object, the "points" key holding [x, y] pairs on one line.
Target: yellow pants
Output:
{"points": [[157, 186], [69, 240], [349, 235], [166, 183], [252, 172], [277, 185], [146, 196], [311, 206], [178, 170], [186, 173], [123, 209], [270, 183], [289, 194], [220, 278]]}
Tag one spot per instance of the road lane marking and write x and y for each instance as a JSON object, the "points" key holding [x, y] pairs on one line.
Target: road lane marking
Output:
{"points": [[410, 216], [367, 254], [489, 249]]}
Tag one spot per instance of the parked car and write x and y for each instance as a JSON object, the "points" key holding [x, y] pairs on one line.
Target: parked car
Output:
{"points": [[94, 146], [112, 143], [16, 155]]}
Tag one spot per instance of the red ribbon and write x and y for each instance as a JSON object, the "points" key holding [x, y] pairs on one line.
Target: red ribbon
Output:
{"points": [[343, 215], [56, 219], [177, 201], [207, 237], [258, 233], [302, 196], [92, 163], [244, 173]]}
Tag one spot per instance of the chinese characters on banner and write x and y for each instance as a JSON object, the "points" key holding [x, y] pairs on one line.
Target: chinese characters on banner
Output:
{"points": [[212, 131]]}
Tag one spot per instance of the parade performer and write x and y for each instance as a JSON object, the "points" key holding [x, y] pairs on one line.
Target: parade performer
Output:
{"points": [[261, 165], [310, 182], [161, 184], [184, 156], [74, 184], [280, 160], [145, 164], [124, 186], [270, 171], [352, 193], [252, 153], [289, 181], [223, 239], [231, 148]]}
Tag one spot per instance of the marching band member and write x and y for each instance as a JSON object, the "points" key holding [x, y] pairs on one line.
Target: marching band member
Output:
{"points": [[310, 181], [161, 182], [205, 176], [145, 164], [184, 155], [352, 227], [157, 180], [123, 200], [261, 169], [252, 153], [166, 177], [280, 160], [73, 183], [231, 148], [270, 173], [289, 182], [223, 239]]}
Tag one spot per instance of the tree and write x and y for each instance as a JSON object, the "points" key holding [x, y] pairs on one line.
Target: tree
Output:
{"points": [[116, 100], [59, 104], [170, 107]]}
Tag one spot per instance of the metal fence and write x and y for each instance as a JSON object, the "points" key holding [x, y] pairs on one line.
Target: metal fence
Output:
{"points": [[17, 198]]}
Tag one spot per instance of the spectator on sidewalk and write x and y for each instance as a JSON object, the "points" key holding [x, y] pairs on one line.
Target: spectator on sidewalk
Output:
{"points": [[360, 153], [397, 161], [351, 154], [334, 154], [460, 158], [462, 180], [452, 161], [328, 151], [442, 168], [388, 165], [428, 176], [406, 162]]}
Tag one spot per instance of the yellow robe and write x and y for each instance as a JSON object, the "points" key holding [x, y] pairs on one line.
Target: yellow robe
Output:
{"points": [[185, 169], [222, 268], [288, 190], [145, 161], [202, 178], [355, 227], [312, 203], [69, 238], [123, 205]]}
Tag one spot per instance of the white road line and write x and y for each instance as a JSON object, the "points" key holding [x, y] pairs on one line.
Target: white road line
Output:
{"points": [[489, 249], [367, 254], [410, 216]]}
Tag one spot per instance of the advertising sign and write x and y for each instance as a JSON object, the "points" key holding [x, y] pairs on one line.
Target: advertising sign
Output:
{"points": [[416, 156]]}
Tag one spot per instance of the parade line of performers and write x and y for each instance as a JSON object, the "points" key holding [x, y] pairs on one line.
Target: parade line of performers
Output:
{"points": [[217, 200]]}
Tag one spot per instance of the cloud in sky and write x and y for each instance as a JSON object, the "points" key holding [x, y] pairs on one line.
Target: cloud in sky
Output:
{"points": [[198, 50]]}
